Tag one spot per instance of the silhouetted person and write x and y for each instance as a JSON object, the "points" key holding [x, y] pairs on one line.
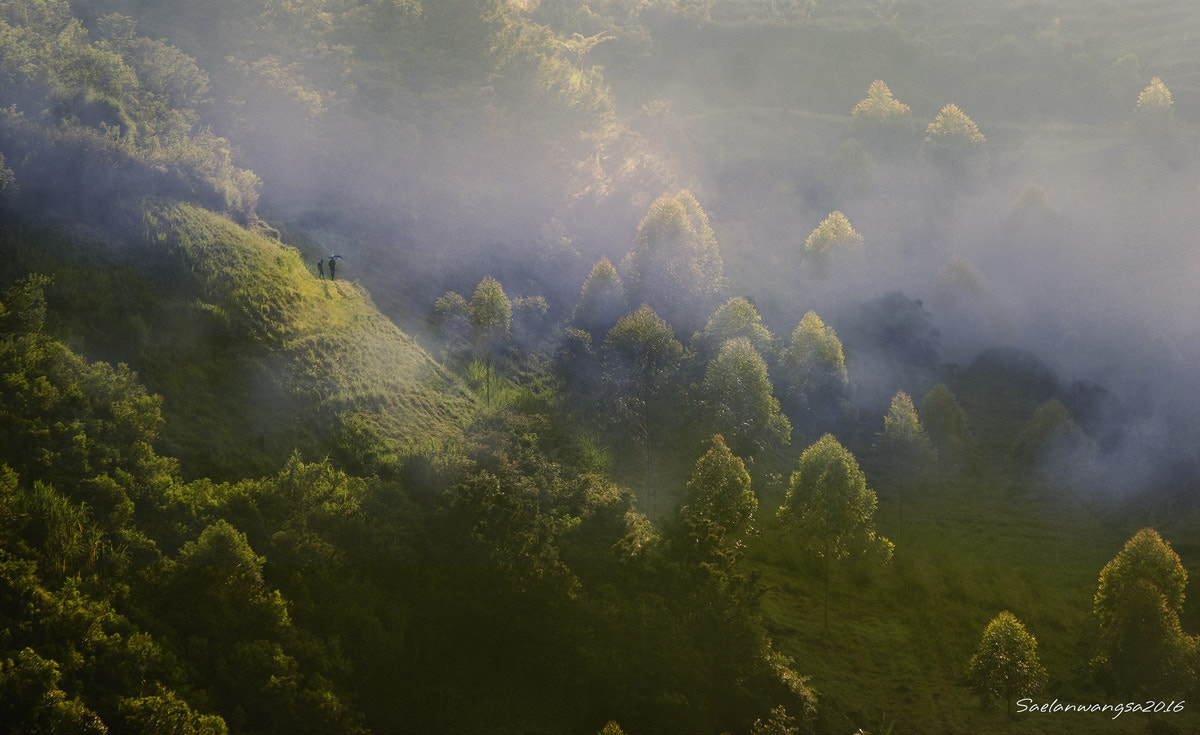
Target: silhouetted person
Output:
{"points": [[321, 268], [332, 267]]}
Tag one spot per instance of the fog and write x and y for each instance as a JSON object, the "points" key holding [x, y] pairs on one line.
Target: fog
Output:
{"points": [[432, 144]]}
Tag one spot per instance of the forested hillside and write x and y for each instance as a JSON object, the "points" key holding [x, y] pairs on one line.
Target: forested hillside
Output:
{"points": [[636, 366]]}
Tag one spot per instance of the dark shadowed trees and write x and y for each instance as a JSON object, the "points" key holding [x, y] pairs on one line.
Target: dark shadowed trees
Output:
{"points": [[641, 356], [601, 300]]}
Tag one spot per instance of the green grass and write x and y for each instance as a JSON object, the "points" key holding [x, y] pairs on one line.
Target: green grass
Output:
{"points": [[900, 637], [253, 355]]}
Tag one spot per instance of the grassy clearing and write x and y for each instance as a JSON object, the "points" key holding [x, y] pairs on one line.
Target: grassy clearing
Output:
{"points": [[254, 356]]}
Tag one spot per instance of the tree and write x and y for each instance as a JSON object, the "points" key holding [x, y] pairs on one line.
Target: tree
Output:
{"points": [[831, 509], [737, 317], [953, 130], [1006, 664], [954, 139], [163, 713], [1138, 603], [779, 723], [880, 107], [813, 368], [904, 448], [490, 316], [31, 700], [676, 264], [833, 234], [641, 355], [1054, 448], [718, 506], [601, 300], [1155, 99], [451, 314], [946, 423], [739, 398], [904, 445], [880, 117]]}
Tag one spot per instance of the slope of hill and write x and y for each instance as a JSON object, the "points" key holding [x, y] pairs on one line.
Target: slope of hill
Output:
{"points": [[253, 355]]}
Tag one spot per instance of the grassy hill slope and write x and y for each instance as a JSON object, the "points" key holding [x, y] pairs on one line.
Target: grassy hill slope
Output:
{"points": [[254, 356]]}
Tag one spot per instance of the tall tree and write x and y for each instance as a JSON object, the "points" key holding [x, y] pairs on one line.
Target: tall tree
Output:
{"points": [[490, 315], [601, 300], [718, 506], [904, 450], [1006, 664], [641, 355], [813, 370], [880, 118], [1138, 603], [738, 395], [831, 509], [946, 423], [676, 264]]}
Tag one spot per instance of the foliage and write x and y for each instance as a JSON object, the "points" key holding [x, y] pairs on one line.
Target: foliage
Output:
{"points": [[718, 507], [641, 356], [958, 280], [830, 509], [1155, 99], [953, 130], [1050, 433], [122, 105], [881, 119], [451, 314], [946, 423], [490, 317], [813, 371], [828, 504], [880, 107], [1006, 664], [904, 446], [833, 233], [739, 399], [1137, 604], [737, 317], [601, 300], [675, 265], [779, 723]]}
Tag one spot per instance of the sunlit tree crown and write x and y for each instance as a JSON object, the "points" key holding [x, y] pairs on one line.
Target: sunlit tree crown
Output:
{"points": [[1155, 98], [834, 231], [1006, 664], [880, 106], [953, 128], [737, 317], [676, 265]]}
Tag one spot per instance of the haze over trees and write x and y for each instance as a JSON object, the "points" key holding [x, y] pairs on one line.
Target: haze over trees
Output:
{"points": [[675, 265], [505, 473]]}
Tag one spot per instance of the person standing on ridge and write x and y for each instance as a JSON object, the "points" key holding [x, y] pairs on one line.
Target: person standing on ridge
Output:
{"points": [[332, 266], [321, 268]]}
